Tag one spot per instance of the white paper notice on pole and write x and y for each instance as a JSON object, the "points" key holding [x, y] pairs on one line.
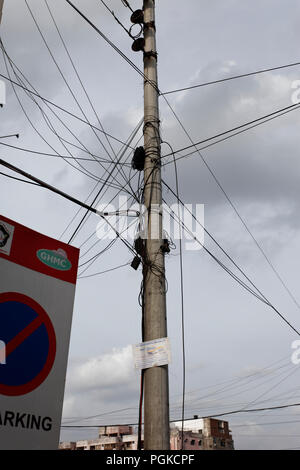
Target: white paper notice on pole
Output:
{"points": [[37, 287], [152, 353]]}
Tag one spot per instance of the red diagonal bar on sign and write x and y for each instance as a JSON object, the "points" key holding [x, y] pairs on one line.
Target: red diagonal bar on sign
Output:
{"points": [[20, 337]]}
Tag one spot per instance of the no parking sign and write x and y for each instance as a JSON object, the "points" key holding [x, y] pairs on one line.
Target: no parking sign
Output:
{"points": [[37, 287]]}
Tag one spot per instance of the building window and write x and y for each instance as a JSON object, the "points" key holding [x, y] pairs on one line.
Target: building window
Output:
{"points": [[222, 443], [221, 427], [192, 442], [200, 443]]}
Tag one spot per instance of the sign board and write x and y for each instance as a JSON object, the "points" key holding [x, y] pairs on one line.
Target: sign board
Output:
{"points": [[152, 353], [37, 287]]}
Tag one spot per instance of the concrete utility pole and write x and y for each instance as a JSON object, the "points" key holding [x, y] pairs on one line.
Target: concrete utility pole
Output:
{"points": [[156, 380]]}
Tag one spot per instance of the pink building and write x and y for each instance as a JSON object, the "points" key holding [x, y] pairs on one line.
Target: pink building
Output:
{"points": [[202, 434]]}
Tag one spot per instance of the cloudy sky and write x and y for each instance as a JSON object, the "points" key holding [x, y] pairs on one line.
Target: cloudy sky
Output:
{"points": [[238, 351]]}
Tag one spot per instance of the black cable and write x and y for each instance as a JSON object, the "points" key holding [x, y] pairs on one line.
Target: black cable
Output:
{"points": [[77, 74], [66, 82], [234, 380], [139, 445], [261, 297], [223, 266], [204, 417], [230, 136], [219, 246], [131, 137], [194, 144], [255, 410], [231, 78], [212, 173], [83, 169], [74, 420], [126, 4], [100, 190], [237, 388], [8, 136], [104, 272], [29, 119], [64, 195], [52, 129], [106, 39], [270, 389], [62, 109], [112, 242], [82, 85], [112, 45], [182, 303], [95, 258], [117, 20], [55, 155], [19, 179]]}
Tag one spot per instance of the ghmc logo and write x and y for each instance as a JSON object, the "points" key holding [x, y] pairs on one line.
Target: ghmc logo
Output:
{"points": [[55, 259]]}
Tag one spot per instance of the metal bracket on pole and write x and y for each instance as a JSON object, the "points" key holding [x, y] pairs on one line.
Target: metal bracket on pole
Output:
{"points": [[150, 54]]}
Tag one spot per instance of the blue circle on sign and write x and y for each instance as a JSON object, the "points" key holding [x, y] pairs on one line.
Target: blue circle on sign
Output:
{"points": [[29, 339]]}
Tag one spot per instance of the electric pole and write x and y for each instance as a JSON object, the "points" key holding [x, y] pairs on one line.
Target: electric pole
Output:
{"points": [[156, 380]]}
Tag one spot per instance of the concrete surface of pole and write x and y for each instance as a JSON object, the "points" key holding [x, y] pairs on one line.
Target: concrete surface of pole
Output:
{"points": [[156, 380]]}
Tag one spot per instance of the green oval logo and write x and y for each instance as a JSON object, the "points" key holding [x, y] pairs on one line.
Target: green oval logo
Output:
{"points": [[54, 260]]}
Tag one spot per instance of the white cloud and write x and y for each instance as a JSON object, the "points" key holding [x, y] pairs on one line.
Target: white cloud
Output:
{"points": [[106, 371]]}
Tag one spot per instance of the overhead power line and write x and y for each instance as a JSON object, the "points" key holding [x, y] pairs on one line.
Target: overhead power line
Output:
{"points": [[294, 64], [103, 160], [257, 72], [229, 136], [103, 185], [286, 109], [64, 195], [77, 74], [126, 4], [117, 19], [182, 303], [292, 107], [225, 194], [62, 109], [18, 179], [129, 181], [256, 293], [80, 81], [73, 96], [8, 136], [255, 410], [48, 186], [110, 43], [104, 272]]}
